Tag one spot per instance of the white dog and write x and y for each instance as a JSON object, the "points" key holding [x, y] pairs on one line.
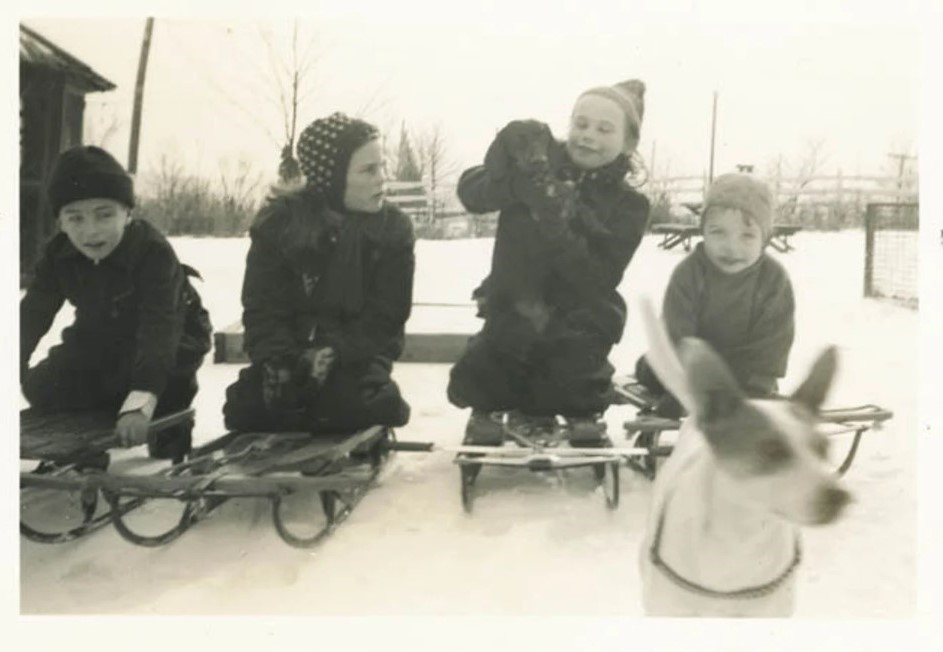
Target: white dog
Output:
{"points": [[723, 536]]}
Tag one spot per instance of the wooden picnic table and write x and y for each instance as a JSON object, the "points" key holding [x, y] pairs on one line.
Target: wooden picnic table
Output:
{"points": [[674, 234]]}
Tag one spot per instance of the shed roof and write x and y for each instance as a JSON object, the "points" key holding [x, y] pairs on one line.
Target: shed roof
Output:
{"points": [[39, 51]]}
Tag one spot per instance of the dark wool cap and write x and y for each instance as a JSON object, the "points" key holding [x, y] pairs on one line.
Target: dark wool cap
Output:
{"points": [[324, 151], [88, 172]]}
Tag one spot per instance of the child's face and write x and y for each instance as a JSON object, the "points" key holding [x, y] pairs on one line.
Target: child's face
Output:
{"points": [[365, 177], [597, 132], [731, 241], [94, 226]]}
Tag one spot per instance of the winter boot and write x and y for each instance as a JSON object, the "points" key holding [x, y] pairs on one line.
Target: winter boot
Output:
{"points": [[484, 429], [586, 431]]}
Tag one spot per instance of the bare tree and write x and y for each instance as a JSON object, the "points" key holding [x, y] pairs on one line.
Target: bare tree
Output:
{"points": [[812, 161], [103, 129], [435, 164], [407, 167], [239, 189], [290, 84], [282, 80], [373, 104]]}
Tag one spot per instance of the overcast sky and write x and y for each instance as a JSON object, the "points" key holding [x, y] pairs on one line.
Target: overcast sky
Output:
{"points": [[844, 73]]}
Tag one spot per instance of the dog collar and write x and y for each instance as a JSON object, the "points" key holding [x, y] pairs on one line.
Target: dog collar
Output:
{"points": [[746, 593]]}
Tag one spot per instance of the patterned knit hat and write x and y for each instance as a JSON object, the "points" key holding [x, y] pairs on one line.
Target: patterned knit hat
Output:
{"points": [[630, 96], [745, 193], [324, 150], [88, 172]]}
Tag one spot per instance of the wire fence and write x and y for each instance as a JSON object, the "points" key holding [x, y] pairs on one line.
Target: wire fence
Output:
{"points": [[891, 252]]}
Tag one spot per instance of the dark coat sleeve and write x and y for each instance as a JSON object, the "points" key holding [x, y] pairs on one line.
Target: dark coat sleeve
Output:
{"points": [[596, 261], [679, 308], [480, 192], [159, 279], [379, 329], [772, 332], [267, 294], [38, 308]]}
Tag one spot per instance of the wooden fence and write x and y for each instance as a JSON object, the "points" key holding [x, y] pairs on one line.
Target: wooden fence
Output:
{"points": [[797, 190]]}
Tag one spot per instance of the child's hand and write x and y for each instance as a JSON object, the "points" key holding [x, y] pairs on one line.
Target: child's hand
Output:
{"points": [[278, 385], [131, 428]]}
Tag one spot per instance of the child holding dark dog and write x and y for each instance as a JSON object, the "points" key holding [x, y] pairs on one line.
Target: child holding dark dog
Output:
{"points": [[568, 226], [326, 294], [729, 292], [140, 331]]}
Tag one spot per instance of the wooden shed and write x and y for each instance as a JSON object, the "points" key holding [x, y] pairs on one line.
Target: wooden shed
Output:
{"points": [[53, 85]]}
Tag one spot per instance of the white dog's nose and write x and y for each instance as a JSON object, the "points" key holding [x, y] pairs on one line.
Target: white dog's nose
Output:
{"points": [[831, 502]]}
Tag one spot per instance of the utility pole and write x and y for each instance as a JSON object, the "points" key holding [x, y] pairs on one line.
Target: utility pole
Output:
{"points": [[710, 173], [901, 161], [139, 97]]}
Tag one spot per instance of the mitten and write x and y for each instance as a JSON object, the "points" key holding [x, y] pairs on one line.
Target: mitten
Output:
{"points": [[279, 391], [317, 364]]}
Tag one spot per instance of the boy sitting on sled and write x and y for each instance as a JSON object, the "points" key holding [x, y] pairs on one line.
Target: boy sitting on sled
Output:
{"points": [[140, 332]]}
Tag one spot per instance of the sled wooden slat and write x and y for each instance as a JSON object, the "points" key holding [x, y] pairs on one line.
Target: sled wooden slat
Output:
{"points": [[233, 485], [67, 434]]}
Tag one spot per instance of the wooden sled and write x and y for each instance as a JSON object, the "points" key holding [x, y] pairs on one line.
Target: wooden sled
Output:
{"points": [[273, 466], [72, 451], [646, 428]]}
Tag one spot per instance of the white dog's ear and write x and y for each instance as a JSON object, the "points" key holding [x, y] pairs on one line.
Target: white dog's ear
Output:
{"points": [[814, 388], [715, 391]]}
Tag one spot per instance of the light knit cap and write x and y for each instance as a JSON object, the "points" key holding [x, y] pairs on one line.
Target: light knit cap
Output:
{"points": [[745, 193]]}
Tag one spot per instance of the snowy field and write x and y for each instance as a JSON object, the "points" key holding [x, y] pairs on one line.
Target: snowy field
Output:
{"points": [[537, 544]]}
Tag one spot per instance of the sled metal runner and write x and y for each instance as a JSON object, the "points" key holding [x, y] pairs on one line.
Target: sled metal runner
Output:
{"points": [[71, 448], [646, 428], [274, 466], [547, 451]]}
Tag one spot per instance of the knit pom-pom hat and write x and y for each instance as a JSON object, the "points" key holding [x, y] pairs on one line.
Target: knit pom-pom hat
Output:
{"points": [[324, 151]]}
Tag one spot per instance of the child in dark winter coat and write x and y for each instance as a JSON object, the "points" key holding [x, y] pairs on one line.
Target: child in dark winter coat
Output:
{"points": [[730, 293], [568, 226], [140, 332], [326, 294]]}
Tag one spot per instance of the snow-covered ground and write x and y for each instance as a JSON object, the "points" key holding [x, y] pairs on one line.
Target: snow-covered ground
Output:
{"points": [[537, 544]]}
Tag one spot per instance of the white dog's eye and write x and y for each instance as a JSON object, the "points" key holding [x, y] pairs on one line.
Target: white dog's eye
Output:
{"points": [[773, 453]]}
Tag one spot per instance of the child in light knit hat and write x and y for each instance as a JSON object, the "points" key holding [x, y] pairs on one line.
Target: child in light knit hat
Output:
{"points": [[730, 292], [568, 226]]}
